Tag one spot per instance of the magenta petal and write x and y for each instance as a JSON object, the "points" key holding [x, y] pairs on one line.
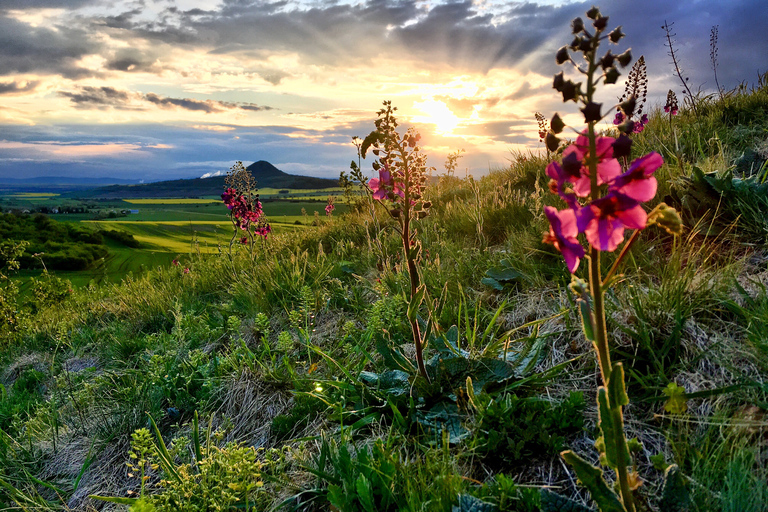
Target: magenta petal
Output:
{"points": [[607, 170], [568, 225], [633, 218], [555, 172], [640, 190], [583, 186], [648, 163]]}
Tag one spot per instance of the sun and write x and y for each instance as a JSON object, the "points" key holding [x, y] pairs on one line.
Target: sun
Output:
{"points": [[436, 112]]}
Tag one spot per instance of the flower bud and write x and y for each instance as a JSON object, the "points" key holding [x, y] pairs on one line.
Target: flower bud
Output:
{"points": [[611, 76], [395, 212], [577, 25], [624, 58], [570, 91], [600, 23], [562, 56], [421, 214], [628, 106], [559, 82], [627, 126], [593, 13], [622, 147], [591, 112], [615, 35], [585, 45], [556, 124], [552, 142], [576, 43], [667, 219], [579, 287], [427, 204], [607, 60]]}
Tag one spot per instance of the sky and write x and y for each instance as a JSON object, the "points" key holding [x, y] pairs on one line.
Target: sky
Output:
{"points": [[165, 89]]}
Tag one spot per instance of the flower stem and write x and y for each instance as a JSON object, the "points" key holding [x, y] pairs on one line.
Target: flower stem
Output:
{"points": [[624, 251]]}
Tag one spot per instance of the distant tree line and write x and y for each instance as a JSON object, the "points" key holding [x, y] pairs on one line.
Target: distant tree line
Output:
{"points": [[61, 245]]}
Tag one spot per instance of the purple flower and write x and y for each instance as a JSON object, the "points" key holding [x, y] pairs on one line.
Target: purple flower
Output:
{"points": [[562, 234], [604, 220], [638, 182]]}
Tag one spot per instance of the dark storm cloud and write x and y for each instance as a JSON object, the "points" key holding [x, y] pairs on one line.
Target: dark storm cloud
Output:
{"points": [[18, 87], [88, 97], [27, 49]]}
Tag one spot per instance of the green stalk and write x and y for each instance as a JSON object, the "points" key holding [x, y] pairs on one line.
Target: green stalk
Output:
{"points": [[596, 287]]}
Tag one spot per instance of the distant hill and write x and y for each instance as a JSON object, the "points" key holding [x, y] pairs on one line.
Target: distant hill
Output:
{"points": [[266, 174]]}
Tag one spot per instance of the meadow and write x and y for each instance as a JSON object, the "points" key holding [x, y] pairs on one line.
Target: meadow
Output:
{"points": [[451, 346]]}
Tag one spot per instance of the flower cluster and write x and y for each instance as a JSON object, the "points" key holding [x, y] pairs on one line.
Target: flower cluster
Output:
{"points": [[245, 209], [604, 219], [636, 88], [330, 207], [671, 107]]}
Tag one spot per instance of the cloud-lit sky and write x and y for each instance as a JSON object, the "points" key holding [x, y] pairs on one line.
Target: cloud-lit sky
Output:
{"points": [[163, 89]]}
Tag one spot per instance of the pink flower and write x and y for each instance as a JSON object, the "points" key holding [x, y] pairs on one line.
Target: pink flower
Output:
{"points": [[638, 182], [175, 263], [619, 118], [604, 220], [186, 270], [379, 185], [607, 166], [562, 234], [244, 240]]}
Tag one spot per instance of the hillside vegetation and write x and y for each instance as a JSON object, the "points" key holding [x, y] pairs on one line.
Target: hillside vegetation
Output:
{"points": [[283, 374]]}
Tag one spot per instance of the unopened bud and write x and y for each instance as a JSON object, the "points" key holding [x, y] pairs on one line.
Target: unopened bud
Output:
{"points": [[395, 212], [607, 60], [570, 91], [593, 13], [552, 142], [611, 76], [591, 112], [562, 56], [556, 124], [622, 147], [577, 25], [421, 214], [615, 35], [628, 106], [624, 58], [600, 23], [427, 204], [667, 219], [558, 82], [585, 45], [579, 287]]}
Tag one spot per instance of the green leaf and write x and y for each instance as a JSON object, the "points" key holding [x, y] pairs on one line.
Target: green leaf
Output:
{"points": [[675, 496], [364, 493], [166, 461], [468, 503], [586, 320], [592, 478], [612, 428], [115, 499], [551, 502], [677, 402], [413, 306], [617, 393]]}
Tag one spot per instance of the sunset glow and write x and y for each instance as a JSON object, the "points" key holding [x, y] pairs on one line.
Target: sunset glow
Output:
{"points": [[160, 89]]}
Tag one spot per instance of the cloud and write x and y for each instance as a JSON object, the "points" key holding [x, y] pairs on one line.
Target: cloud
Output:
{"points": [[18, 86], [43, 50], [105, 97]]}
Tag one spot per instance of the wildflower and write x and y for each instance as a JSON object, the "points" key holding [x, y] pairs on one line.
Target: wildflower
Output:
{"points": [[562, 234], [175, 263], [638, 182], [671, 107], [607, 166], [603, 220], [186, 270], [379, 185], [244, 240]]}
